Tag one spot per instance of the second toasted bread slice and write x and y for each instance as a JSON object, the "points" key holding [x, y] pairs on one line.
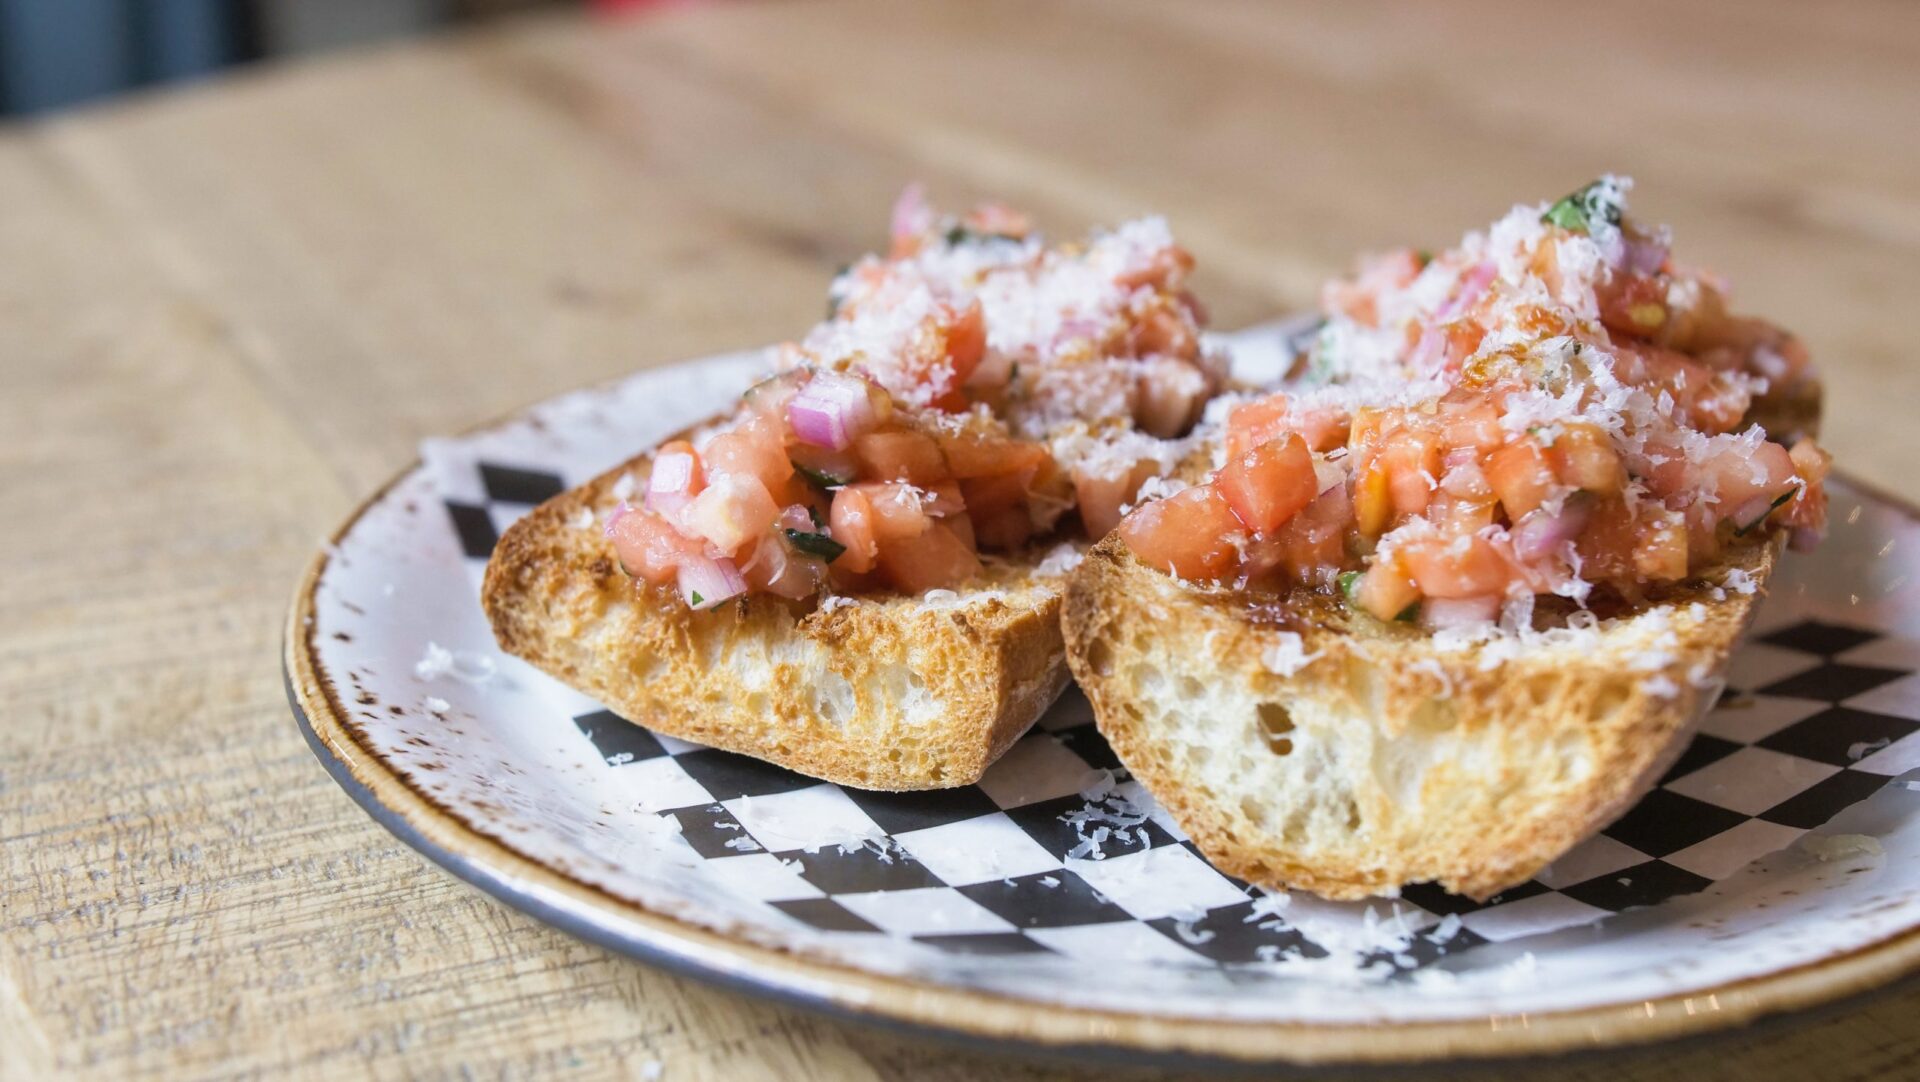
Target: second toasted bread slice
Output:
{"points": [[1305, 745]]}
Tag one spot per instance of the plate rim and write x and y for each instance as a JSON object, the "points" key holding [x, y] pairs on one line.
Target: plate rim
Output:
{"points": [[924, 1008]]}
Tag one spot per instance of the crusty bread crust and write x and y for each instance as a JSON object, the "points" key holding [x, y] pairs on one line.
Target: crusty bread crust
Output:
{"points": [[877, 692], [1385, 761]]}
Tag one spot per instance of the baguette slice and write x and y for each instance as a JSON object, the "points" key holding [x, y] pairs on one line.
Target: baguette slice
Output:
{"points": [[1383, 759], [881, 692]]}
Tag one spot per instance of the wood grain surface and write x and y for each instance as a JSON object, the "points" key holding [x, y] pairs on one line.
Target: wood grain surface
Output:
{"points": [[227, 313]]}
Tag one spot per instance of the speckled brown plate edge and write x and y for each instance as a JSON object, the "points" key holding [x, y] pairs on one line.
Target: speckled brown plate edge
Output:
{"points": [[472, 854]]}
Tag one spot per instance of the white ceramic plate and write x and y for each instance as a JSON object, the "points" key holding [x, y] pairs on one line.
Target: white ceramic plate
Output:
{"points": [[1054, 903]]}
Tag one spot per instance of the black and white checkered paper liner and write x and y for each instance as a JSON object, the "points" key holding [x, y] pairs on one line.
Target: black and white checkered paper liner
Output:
{"points": [[1057, 856]]}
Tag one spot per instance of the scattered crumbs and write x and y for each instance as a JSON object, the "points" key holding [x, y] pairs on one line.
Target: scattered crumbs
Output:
{"points": [[1049, 881], [1520, 972], [1190, 935], [437, 706], [742, 843], [1831, 847], [1106, 811], [463, 665], [1268, 910], [1864, 748], [1625, 881]]}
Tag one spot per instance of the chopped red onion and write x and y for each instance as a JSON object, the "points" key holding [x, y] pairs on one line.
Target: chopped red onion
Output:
{"points": [[1540, 534], [1475, 283], [1441, 613], [670, 485], [706, 581], [796, 517], [831, 411], [619, 513], [1645, 255]]}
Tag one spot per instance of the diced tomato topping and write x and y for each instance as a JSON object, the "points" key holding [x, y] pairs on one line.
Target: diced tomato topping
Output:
{"points": [[901, 454], [1190, 533], [1583, 458], [897, 510], [648, 547], [971, 455], [1660, 554], [1170, 396], [1372, 502], [1455, 514], [1385, 589], [1471, 426], [998, 506], [1463, 565], [1521, 477], [1269, 484], [966, 342], [1101, 496], [851, 523], [734, 510], [1311, 545], [1410, 459], [1254, 423], [754, 448], [934, 558], [1251, 424], [774, 567], [1741, 479]]}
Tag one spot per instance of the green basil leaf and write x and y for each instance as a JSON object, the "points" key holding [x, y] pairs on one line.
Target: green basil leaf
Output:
{"points": [[1598, 202], [1350, 586], [821, 478], [816, 544], [1742, 531]]}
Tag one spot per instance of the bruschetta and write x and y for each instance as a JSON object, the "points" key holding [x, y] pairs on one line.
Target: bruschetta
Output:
{"points": [[1453, 598], [857, 572]]}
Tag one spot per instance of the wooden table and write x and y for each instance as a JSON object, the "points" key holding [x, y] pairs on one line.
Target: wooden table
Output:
{"points": [[227, 313]]}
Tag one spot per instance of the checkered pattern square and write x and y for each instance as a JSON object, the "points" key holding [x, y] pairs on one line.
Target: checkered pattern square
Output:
{"points": [[1057, 850]]}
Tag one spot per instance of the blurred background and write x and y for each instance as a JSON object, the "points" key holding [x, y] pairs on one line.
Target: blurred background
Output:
{"points": [[56, 53]]}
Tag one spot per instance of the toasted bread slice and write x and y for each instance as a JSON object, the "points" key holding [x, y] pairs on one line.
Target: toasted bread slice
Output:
{"points": [[878, 692], [1303, 745]]}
